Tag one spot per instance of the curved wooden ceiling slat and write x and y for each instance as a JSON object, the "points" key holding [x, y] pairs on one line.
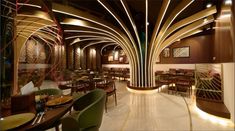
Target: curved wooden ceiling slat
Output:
{"points": [[185, 30], [155, 44], [132, 53], [188, 20]]}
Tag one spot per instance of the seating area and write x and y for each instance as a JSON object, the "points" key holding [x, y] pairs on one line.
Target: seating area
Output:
{"points": [[120, 73], [177, 80]]}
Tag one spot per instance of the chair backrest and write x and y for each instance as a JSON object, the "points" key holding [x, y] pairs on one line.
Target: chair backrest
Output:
{"points": [[92, 115], [91, 108], [49, 91], [23, 103]]}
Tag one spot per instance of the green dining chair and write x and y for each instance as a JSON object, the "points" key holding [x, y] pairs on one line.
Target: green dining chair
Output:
{"points": [[88, 112], [49, 91]]}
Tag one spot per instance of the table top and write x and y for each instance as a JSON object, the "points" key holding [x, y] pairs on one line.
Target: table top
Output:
{"points": [[14, 121], [51, 116], [59, 101]]}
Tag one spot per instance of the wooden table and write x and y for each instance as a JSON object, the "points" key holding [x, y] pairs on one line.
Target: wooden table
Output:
{"points": [[51, 116]]}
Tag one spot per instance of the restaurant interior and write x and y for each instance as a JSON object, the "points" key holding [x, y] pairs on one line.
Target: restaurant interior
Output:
{"points": [[113, 65]]}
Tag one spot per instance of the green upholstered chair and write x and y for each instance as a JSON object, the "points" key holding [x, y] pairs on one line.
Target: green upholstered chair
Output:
{"points": [[88, 112], [49, 91]]}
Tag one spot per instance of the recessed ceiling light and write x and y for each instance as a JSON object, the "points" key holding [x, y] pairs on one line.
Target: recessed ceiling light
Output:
{"points": [[205, 20], [208, 5], [228, 2]]}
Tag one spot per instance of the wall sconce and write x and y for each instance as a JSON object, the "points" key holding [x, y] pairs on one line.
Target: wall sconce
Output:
{"points": [[78, 50], [228, 2], [92, 52]]}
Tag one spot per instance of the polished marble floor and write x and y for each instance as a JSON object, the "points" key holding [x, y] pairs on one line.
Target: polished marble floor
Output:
{"points": [[156, 111]]}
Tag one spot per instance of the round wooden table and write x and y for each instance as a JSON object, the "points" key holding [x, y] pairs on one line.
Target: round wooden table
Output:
{"points": [[50, 119]]}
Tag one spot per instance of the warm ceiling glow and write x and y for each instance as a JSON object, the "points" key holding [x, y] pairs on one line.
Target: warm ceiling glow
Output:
{"points": [[208, 5], [42, 15], [74, 22], [228, 2]]}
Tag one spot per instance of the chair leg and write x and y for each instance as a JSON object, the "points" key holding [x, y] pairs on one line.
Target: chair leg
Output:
{"points": [[57, 128], [106, 104], [115, 97]]}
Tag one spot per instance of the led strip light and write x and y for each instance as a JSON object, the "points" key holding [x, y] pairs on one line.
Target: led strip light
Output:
{"points": [[108, 33], [128, 33]]}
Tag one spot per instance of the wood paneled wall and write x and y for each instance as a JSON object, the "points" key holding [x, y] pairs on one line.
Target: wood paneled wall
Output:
{"points": [[223, 45], [200, 50], [89, 58]]}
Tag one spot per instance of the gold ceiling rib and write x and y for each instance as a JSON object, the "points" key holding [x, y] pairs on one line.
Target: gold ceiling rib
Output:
{"points": [[94, 38], [194, 32], [79, 14], [90, 25], [36, 14], [94, 43], [24, 22], [86, 16], [152, 51], [119, 20], [84, 36], [130, 17], [144, 73], [32, 3], [102, 48], [46, 34], [93, 26], [25, 30], [77, 38], [121, 23], [28, 26], [185, 30], [92, 32], [49, 43], [161, 15], [188, 20], [179, 8]]}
